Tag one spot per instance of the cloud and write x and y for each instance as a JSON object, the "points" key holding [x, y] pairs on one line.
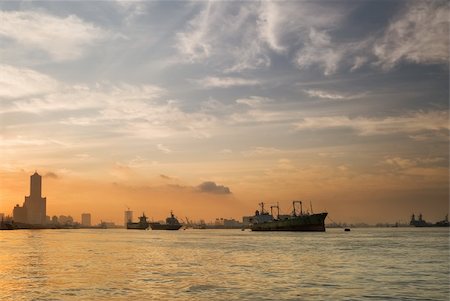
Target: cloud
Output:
{"points": [[51, 175], [212, 187], [60, 38], [253, 101], [319, 50], [226, 151], [262, 151], [233, 39], [236, 38], [332, 95], [225, 82], [23, 82], [324, 94], [30, 91], [409, 123], [164, 148], [139, 110], [165, 177], [419, 35]]}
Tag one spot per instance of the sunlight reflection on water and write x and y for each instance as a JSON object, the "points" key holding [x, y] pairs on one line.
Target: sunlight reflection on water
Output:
{"points": [[375, 264]]}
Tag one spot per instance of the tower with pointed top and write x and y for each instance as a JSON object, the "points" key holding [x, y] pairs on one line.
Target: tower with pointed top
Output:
{"points": [[36, 205], [34, 208]]}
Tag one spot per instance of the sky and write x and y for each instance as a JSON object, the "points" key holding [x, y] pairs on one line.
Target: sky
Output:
{"points": [[208, 108]]}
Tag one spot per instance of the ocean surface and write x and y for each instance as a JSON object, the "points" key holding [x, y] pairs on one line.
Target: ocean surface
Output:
{"points": [[364, 264]]}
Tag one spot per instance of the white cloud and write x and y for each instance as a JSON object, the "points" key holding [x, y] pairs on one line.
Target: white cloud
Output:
{"points": [[193, 43], [225, 82], [242, 37], [262, 151], [420, 35], [61, 38], [324, 94], [320, 50], [163, 148], [332, 95], [410, 123], [134, 110], [253, 101], [23, 82]]}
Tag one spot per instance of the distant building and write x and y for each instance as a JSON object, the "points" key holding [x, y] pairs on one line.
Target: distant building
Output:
{"points": [[65, 220], [128, 217], [231, 223], [107, 225], [54, 220], [34, 208], [20, 214], [86, 219], [2, 216]]}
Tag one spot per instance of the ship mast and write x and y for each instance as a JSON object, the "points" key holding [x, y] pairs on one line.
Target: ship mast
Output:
{"points": [[262, 207], [293, 206], [278, 210]]}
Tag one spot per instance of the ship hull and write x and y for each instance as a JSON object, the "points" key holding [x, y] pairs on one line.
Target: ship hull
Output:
{"points": [[137, 226], [303, 223], [158, 226]]}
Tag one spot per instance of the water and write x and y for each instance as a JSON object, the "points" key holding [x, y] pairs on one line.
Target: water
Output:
{"points": [[364, 264]]}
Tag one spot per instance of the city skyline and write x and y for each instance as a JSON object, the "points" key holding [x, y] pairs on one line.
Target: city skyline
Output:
{"points": [[208, 108]]}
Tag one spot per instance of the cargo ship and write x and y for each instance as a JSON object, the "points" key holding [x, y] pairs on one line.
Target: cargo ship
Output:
{"points": [[297, 221], [420, 222], [141, 225], [171, 224]]}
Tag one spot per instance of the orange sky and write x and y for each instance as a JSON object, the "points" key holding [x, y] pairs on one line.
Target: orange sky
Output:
{"points": [[208, 108], [346, 196]]}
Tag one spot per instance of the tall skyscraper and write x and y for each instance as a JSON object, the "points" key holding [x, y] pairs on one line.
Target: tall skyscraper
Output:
{"points": [[86, 219], [34, 208], [128, 217]]}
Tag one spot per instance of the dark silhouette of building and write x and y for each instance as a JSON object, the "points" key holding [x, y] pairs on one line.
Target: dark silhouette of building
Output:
{"points": [[34, 208], [86, 219]]}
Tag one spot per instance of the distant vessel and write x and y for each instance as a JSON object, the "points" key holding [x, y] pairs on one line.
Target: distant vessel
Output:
{"points": [[171, 224], [297, 221], [141, 225], [420, 222]]}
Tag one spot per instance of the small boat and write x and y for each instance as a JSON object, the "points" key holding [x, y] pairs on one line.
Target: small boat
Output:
{"points": [[171, 224], [141, 225]]}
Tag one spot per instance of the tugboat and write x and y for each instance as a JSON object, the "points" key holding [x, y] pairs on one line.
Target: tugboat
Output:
{"points": [[297, 221], [171, 224], [141, 225]]}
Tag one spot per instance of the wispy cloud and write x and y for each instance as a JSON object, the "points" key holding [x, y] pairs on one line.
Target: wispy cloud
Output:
{"points": [[30, 91], [320, 50], [18, 82], [60, 38], [410, 123], [163, 148], [419, 34], [324, 94], [225, 82], [330, 95], [243, 38], [253, 101], [262, 151]]}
